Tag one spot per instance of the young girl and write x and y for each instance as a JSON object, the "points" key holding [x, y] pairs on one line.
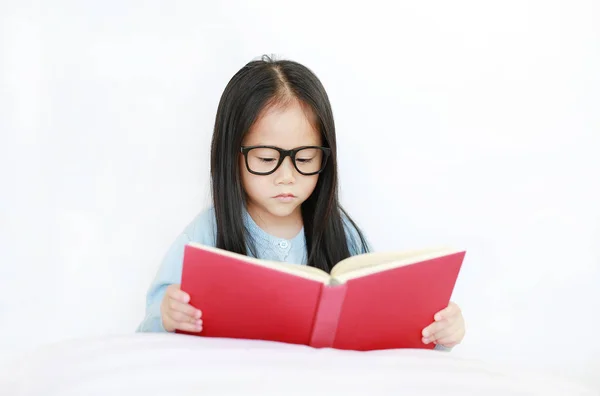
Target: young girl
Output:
{"points": [[275, 192]]}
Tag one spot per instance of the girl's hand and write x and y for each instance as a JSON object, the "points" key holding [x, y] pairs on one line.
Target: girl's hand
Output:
{"points": [[448, 329], [177, 314]]}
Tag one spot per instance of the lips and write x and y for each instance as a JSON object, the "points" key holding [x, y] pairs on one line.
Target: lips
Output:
{"points": [[285, 196]]}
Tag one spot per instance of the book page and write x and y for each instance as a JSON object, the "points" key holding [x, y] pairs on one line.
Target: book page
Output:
{"points": [[365, 264], [303, 271]]}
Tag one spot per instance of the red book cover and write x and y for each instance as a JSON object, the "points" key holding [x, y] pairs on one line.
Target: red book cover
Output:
{"points": [[241, 300], [374, 301], [389, 309]]}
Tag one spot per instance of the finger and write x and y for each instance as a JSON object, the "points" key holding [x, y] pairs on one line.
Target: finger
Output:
{"points": [[434, 328], [192, 328], [180, 317], [438, 329], [451, 310], [444, 333], [176, 293], [451, 340], [455, 337], [186, 309]]}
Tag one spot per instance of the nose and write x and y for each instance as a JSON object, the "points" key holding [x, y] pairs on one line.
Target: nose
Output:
{"points": [[286, 172]]}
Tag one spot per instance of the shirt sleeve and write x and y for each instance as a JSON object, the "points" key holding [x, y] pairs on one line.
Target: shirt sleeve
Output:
{"points": [[439, 347], [201, 230], [168, 273]]}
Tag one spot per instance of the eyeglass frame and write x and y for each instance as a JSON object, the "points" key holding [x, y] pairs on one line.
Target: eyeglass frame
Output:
{"points": [[283, 154]]}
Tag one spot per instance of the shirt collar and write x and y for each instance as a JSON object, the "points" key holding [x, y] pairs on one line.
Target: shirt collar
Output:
{"points": [[264, 241]]}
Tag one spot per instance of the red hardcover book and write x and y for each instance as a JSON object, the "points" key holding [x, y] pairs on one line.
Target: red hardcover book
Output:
{"points": [[368, 302]]}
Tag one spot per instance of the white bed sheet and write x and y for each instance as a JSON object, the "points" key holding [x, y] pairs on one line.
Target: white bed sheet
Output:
{"points": [[168, 364]]}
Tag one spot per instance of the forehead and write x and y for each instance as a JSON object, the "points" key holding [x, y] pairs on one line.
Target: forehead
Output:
{"points": [[284, 126]]}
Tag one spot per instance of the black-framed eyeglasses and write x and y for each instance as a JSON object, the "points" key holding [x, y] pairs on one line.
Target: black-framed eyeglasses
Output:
{"points": [[264, 160]]}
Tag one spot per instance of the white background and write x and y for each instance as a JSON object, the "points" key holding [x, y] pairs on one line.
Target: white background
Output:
{"points": [[468, 123]]}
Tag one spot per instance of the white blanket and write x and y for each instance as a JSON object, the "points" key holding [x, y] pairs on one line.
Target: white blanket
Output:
{"points": [[178, 365]]}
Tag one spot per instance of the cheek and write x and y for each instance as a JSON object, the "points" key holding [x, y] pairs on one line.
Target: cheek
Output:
{"points": [[254, 186], [310, 184]]}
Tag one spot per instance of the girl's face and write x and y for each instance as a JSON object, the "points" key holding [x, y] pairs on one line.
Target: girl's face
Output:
{"points": [[280, 194]]}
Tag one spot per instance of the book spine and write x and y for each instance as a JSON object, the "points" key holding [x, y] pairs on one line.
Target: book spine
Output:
{"points": [[327, 317]]}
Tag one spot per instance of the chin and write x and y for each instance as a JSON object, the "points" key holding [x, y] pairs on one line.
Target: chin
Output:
{"points": [[282, 210]]}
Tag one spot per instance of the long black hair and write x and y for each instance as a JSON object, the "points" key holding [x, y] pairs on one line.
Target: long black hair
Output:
{"points": [[258, 84]]}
